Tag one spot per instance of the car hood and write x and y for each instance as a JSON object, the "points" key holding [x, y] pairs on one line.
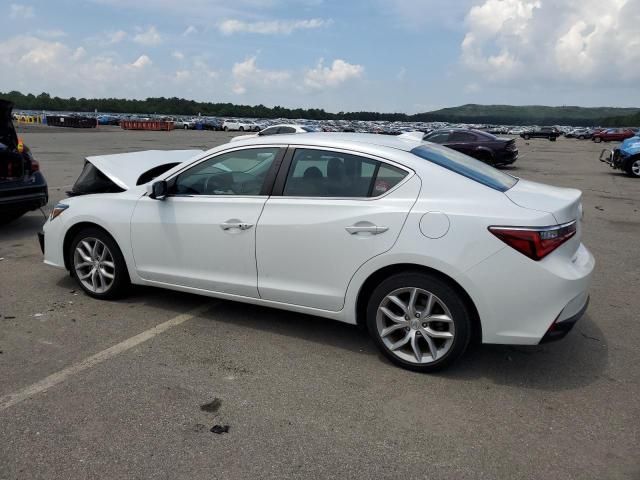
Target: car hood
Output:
{"points": [[631, 146], [124, 169], [563, 203]]}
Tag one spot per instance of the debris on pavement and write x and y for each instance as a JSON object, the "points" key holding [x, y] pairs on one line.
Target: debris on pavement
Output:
{"points": [[212, 406], [220, 429]]}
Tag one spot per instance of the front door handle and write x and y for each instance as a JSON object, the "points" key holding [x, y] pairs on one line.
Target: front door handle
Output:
{"points": [[239, 225], [372, 229]]}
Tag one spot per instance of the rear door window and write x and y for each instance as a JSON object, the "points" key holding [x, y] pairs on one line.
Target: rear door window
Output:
{"points": [[322, 173], [462, 137]]}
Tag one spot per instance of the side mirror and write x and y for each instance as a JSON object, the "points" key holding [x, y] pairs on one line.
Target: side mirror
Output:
{"points": [[159, 190]]}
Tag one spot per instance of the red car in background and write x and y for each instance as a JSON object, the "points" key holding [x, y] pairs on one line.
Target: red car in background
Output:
{"points": [[612, 135]]}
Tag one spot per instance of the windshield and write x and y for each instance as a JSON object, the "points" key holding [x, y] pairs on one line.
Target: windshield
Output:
{"points": [[466, 166]]}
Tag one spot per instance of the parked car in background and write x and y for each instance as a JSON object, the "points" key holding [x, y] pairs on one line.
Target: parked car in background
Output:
{"points": [[516, 131], [612, 135], [276, 130], [240, 126], [214, 124], [550, 133], [22, 185], [184, 124], [625, 156], [492, 150], [579, 133], [443, 250]]}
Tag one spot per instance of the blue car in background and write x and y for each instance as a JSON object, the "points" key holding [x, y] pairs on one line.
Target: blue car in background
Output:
{"points": [[625, 156]]}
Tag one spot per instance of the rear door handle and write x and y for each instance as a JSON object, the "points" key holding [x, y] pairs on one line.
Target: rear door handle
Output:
{"points": [[239, 225], [372, 229]]}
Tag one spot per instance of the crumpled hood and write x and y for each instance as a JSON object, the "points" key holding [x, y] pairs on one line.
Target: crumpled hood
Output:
{"points": [[631, 146], [124, 169]]}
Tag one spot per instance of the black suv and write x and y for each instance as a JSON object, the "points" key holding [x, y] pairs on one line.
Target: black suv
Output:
{"points": [[543, 132], [22, 185]]}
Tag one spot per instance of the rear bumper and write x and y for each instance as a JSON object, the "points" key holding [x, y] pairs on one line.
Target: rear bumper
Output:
{"points": [[508, 157], [24, 195], [560, 328], [518, 299]]}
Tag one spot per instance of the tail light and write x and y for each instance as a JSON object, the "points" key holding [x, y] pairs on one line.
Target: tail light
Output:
{"points": [[535, 242]]}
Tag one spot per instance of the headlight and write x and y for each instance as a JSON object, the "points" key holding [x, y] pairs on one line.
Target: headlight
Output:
{"points": [[57, 210]]}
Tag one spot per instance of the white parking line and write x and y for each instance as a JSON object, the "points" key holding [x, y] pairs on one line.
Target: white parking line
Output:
{"points": [[59, 377]]}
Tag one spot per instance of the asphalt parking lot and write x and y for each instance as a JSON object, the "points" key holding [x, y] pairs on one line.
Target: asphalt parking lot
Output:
{"points": [[307, 397]]}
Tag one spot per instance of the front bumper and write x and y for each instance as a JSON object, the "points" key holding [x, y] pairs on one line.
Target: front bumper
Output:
{"points": [[41, 240]]}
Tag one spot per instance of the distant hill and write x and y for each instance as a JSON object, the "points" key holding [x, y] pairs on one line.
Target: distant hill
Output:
{"points": [[472, 113], [530, 114]]}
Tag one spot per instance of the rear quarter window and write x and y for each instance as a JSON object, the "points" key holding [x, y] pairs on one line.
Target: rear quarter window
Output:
{"points": [[466, 166]]}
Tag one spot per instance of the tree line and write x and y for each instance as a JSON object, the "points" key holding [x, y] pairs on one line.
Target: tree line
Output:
{"points": [[478, 114]]}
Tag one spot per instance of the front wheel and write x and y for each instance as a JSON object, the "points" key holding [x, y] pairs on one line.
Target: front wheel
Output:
{"points": [[419, 321], [526, 137], [241, 129], [98, 265], [553, 139], [633, 168], [597, 139]]}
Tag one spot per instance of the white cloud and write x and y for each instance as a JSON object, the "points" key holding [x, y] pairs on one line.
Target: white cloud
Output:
{"points": [[178, 55], [143, 61], [567, 42], [273, 27], [55, 33], [189, 31], [149, 37], [17, 11], [115, 37], [36, 65], [247, 73], [340, 71]]}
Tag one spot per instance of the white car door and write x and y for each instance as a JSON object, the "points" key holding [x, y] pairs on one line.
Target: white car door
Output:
{"points": [[336, 211], [202, 235]]}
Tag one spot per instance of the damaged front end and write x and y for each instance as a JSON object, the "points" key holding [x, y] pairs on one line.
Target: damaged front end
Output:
{"points": [[123, 171]]}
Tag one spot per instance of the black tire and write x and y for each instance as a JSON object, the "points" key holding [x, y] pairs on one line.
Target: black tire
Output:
{"points": [[485, 157], [629, 167], [241, 129], [526, 137], [460, 314], [581, 137], [10, 217], [553, 139], [597, 139], [226, 129], [186, 127], [121, 279]]}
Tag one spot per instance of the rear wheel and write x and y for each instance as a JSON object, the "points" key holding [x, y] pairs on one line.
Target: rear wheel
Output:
{"points": [[581, 137], [98, 265], [597, 139], [419, 321], [241, 129], [485, 157], [526, 137], [553, 139], [226, 129], [633, 167]]}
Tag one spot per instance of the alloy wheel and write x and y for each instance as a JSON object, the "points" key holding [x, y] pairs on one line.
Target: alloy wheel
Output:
{"points": [[94, 265], [415, 325], [635, 168]]}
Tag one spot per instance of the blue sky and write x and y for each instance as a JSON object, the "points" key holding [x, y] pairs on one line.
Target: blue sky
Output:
{"points": [[384, 55]]}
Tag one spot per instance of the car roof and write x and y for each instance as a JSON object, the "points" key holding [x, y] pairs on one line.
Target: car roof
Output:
{"points": [[336, 139]]}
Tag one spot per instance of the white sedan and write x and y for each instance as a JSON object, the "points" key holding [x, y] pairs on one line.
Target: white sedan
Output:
{"points": [[240, 126], [276, 130], [425, 246]]}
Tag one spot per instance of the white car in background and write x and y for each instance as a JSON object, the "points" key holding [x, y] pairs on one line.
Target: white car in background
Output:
{"points": [[427, 247], [276, 130], [240, 126]]}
